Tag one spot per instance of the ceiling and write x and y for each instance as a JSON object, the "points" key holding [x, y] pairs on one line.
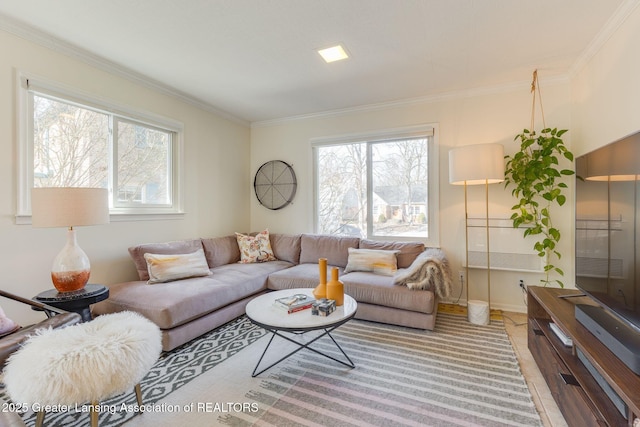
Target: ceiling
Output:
{"points": [[256, 60]]}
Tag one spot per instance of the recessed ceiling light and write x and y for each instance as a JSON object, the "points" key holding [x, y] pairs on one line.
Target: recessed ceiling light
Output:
{"points": [[332, 54]]}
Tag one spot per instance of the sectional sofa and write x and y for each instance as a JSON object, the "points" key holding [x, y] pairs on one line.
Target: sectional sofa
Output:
{"points": [[189, 307]]}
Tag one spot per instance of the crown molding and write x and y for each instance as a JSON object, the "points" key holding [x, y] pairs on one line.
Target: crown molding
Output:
{"points": [[429, 99], [612, 25], [33, 35]]}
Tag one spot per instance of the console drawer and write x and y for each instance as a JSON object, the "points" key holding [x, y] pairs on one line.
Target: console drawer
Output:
{"points": [[570, 397]]}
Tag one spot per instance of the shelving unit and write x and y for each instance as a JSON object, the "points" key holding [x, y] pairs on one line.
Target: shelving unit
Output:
{"points": [[581, 399], [509, 250]]}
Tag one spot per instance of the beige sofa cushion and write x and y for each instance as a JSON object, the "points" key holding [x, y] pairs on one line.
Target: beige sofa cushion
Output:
{"points": [[408, 251], [286, 247], [365, 287], [168, 248], [175, 303], [334, 248], [299, 276], [379, 290], [224, 250], [221, 250]]}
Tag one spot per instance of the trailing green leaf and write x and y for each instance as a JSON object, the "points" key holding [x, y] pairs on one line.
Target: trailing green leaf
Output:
{"points": [[535, 174]]}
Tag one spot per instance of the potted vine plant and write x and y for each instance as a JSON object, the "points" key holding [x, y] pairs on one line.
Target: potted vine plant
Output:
{"points": [[536, 176]]}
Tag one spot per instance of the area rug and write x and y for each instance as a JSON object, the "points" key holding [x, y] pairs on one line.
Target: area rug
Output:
{"points": [[458, 374], [171, 372]]}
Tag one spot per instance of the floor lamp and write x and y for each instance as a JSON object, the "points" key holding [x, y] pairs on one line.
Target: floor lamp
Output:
{"points": [[476, 165]]}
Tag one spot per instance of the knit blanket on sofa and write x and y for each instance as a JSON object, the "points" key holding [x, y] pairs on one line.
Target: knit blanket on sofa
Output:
{"points": [[430, 271]]}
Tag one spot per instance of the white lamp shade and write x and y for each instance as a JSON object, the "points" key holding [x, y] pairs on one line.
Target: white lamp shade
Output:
{"points": [[615, 162], [69, 206], [476, 164]]}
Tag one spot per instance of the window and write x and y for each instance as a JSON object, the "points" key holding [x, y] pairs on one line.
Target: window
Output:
{"points": [[378, 186], [72, 141]]}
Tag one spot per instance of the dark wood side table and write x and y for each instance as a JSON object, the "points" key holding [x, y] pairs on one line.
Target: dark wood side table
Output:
{"points": [[75, 301]]}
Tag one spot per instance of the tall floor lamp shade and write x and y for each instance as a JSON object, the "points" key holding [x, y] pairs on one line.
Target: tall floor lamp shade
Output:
{"points": [[69, 207], [476, 165]]}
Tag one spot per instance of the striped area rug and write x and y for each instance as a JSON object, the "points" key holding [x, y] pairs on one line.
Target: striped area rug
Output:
{"points": [[457, 375]]}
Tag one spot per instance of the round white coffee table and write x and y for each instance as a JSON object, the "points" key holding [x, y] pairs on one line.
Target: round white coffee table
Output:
{"points": [[263, 312]]}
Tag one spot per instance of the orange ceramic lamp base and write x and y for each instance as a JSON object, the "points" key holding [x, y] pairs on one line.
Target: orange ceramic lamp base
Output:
{"points": [[69, 281]]}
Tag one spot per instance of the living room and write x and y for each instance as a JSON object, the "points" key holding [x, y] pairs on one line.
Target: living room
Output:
{"points": [[595, 97]]}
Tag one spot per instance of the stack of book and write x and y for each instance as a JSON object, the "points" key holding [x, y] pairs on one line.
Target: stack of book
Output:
{"points": [[294, 303]]}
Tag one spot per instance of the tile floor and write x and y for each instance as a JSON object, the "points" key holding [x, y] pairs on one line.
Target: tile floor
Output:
{"points": [[516, 327]]}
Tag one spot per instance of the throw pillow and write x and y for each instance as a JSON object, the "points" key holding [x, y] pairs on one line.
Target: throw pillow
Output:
{"points": [[168, 267], [408, 251], [7, 325], [373, 260], [255, 248], [175, 247]]}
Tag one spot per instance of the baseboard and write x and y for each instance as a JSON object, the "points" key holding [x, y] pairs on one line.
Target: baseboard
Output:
{"points": [[504, 307]]}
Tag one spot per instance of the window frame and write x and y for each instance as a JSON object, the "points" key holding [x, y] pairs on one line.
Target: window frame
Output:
{"points": [[27, 85], [429, 131]]}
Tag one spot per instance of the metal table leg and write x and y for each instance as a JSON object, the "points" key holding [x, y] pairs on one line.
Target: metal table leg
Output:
{"points": [[327, 332]]}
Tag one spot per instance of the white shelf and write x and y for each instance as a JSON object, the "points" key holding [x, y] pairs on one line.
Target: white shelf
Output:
{"points": [[510, 251]]}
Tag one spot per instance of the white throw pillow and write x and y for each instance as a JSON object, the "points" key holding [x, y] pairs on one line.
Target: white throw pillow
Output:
{"points": [[166, 268], [372, 260]]}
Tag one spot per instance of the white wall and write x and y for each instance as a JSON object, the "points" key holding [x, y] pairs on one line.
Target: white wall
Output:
{"points": [[462, 120], [216, 177], [606, 93]]}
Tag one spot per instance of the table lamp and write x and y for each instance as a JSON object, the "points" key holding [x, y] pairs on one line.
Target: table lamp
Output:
{"points": [[69, 207], [476, 165]]}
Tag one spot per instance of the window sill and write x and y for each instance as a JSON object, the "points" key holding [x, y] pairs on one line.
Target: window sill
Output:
{"points": [[121, 217]]}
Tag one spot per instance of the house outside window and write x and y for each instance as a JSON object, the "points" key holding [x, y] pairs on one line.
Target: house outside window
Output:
{"points": [[378, 186], [72, 141]]}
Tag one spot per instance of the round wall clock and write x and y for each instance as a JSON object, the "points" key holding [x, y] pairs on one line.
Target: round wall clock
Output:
{"points": [[275, 184]]}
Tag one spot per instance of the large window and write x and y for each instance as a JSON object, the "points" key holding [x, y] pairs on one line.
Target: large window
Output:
{"points": [[71, 142], [382, 187]]}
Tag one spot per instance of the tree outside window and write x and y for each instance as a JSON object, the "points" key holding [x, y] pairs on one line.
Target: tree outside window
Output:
{"points": [[374, 189], [78, 146]]}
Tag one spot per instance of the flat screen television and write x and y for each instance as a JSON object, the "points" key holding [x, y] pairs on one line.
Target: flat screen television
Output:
{"points": [[607, 245]]}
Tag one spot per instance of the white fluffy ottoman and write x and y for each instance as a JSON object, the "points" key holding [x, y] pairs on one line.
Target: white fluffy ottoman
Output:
{"points": [[87, 362]]}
